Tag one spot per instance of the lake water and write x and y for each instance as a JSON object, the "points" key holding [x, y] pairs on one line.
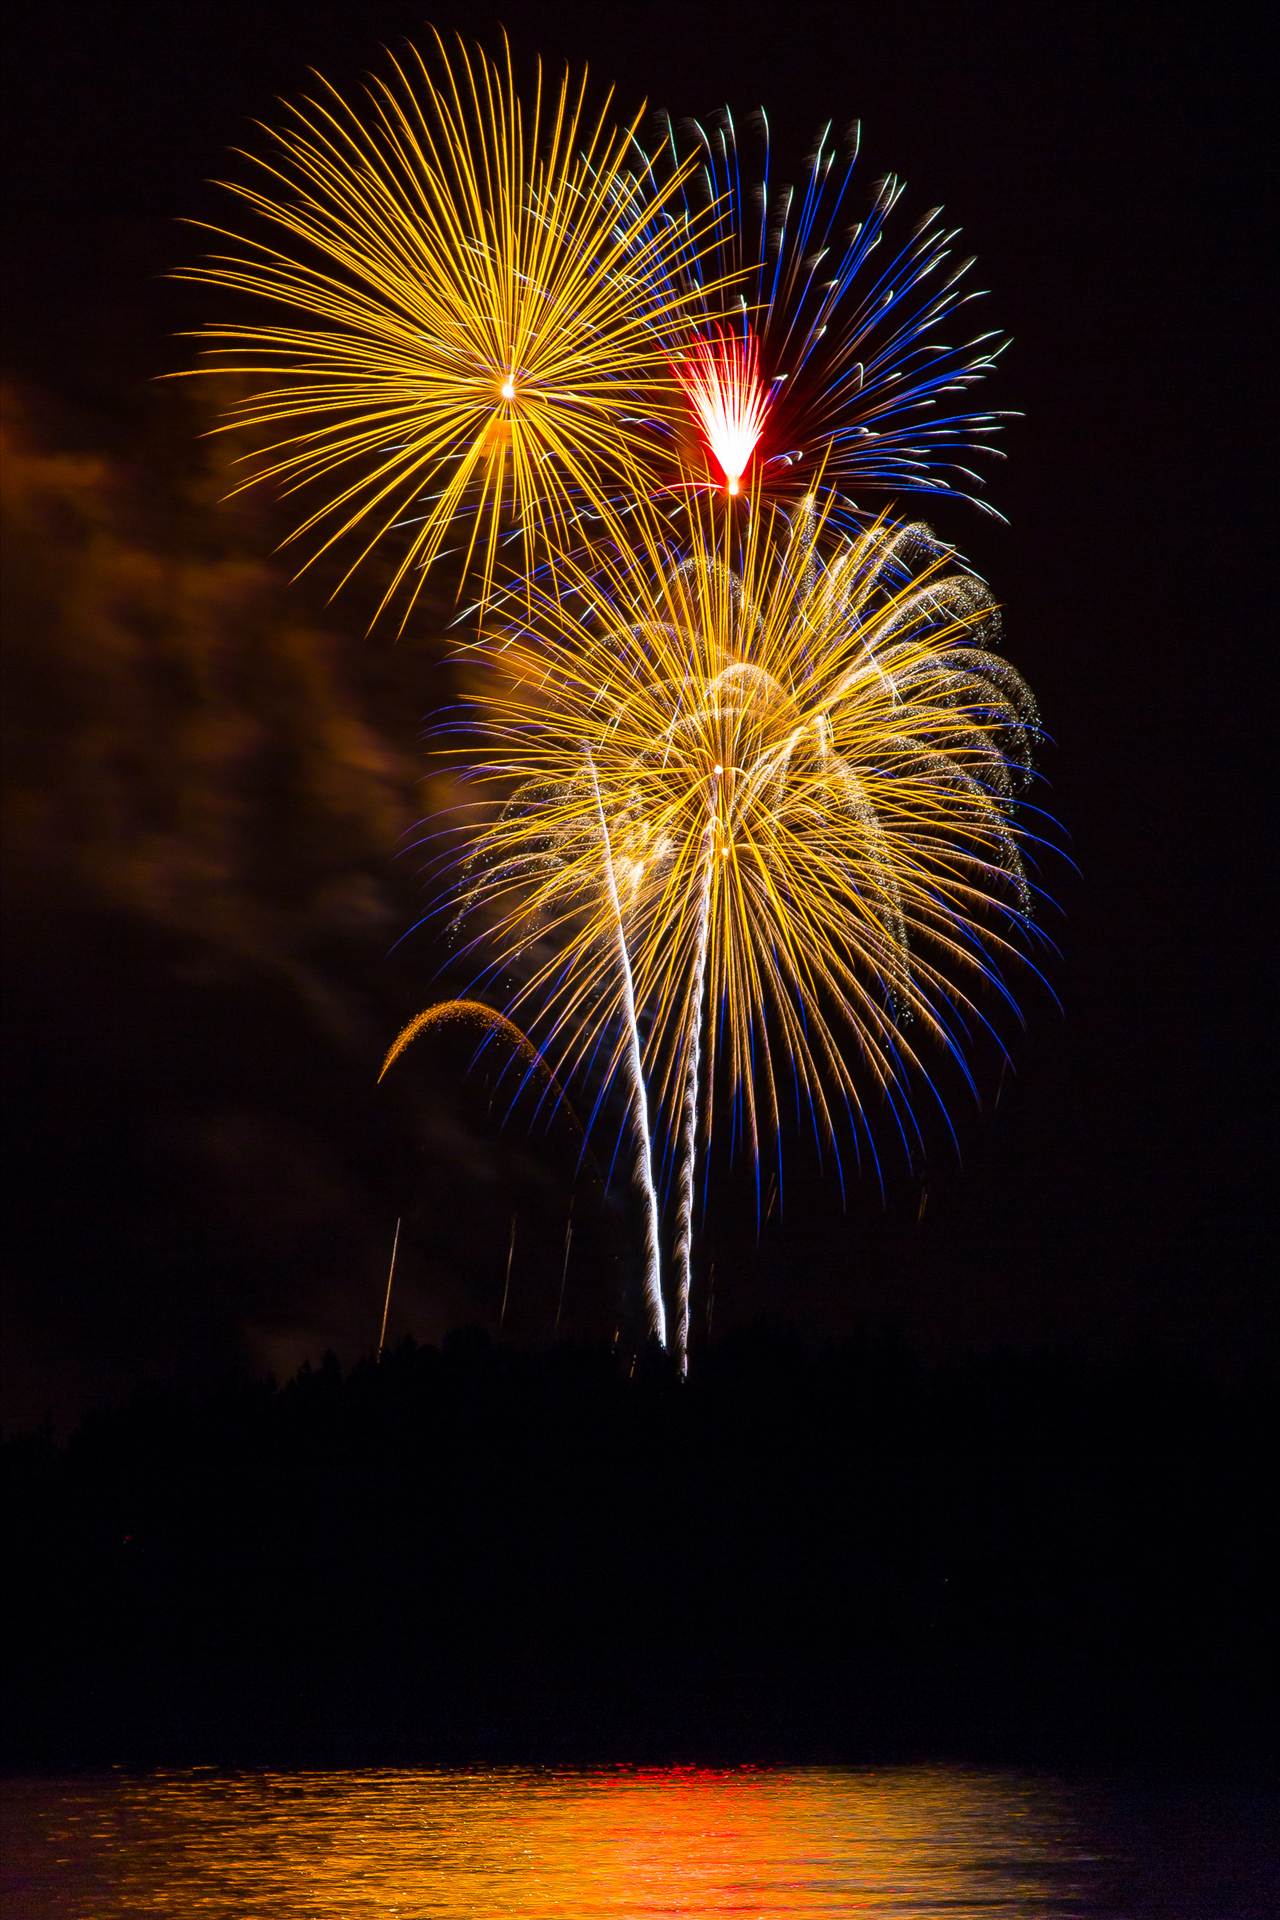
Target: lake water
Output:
{"points": [[893, 1844]]}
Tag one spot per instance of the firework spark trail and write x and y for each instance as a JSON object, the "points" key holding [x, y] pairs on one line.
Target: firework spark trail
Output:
{"points": [[386, 1305], [689, 1133], [450, 1011], [506, 1285], [564, 1270], [643, 1161]]}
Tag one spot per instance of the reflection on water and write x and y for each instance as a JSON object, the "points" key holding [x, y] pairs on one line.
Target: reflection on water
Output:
{"points": [[515, 1842]]}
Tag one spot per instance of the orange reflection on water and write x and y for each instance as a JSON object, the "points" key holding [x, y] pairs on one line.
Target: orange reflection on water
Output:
{"points": [[545, 1845]]}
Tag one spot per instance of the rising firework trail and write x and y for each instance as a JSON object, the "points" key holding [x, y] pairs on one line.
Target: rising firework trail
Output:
{"points": [[386, 1305], [561, 836], [506, 1285], [639, 1099], [689, 1123], [564, 1270]]}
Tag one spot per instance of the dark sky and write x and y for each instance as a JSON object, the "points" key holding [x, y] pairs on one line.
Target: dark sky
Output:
{"points": [[208, 769]]}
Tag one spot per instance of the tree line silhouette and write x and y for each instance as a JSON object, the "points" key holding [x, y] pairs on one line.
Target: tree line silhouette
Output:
{"points": [[479, 1552]]}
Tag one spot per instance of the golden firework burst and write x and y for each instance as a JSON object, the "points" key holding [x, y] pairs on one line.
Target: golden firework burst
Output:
{"points": [[786, 766], [469, 306]]}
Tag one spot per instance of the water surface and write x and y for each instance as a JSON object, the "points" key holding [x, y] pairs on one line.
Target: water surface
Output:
{"points": [[900, 1844]]}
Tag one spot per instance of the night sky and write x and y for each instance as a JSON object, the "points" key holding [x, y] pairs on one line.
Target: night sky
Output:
{"points": [[208, 770]]}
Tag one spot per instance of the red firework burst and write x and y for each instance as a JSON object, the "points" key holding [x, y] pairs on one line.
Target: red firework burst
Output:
{"points": [[721, 379]]}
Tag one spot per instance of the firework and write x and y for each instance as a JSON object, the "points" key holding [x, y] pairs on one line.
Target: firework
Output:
{"points": [[555, 849], [746, 783], [468, 305], [458, 1012], [386, 1304], [844, 354], [803, 754], [693, 1047], [720, 375], [641, 1135]]}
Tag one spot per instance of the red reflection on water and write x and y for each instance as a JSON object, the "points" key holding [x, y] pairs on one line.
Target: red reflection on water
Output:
{"points": [[546, 1845]]}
